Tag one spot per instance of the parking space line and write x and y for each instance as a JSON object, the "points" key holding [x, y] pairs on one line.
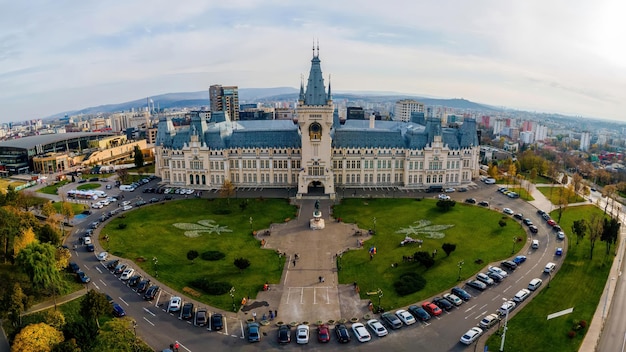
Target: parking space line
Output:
{"points": [[181, 345], [102, 282], [327, 296], [243, 334], [149, 312], [314, 295], [149, 322], [302, 295], [121, 299]]}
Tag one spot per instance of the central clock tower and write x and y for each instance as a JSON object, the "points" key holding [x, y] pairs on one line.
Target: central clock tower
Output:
{"points": [[315, 118]]}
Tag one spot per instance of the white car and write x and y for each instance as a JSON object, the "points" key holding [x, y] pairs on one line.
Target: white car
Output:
{"points": [[444, 197], [97, 205], [126, 274], [361, 332], [560, 235], [377, 327], [175, 304], [87, 240], [103, 256], [549, 268], [506, 307], [302, 334], [484, 278], [471, 335], [507, 211], [406, 317], [498, 270], [449, 190], [127, 207], [105, 202], [454, 299], [489, 321]]}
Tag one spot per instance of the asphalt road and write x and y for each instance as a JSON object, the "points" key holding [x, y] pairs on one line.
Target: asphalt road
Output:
{"points": [[159, 328]]}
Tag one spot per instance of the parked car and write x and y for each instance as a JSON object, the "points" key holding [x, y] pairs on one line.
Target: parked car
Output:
{"points": [[391, 320], [479, 285], [521, 295], [470, 201], [527, 222], [341, 331], [134, 280], [119, 269], [560, 235], [151, 293], [508, 264], [535, 244], [453, 299], [551, 222], [432, 309], [126, 274], [534, 284], [545, 216], [559, 251], [513, 195], [112, 264], [103, 256], [519, 259], [82, 277], [323, 333], [540, 212], [484, 278], [533, 229], [442, 303], [377, 327], [118, 311], [449, 190], [459, 292], [254, 334], [557, 228], [443, 196], [549, 268], [471, 335], [87, 240], [174, 305], [506, 307], [143, 285], [484, 203], [405, 316], [284, 334], [498, 270], [217, 321], [462, 189], [507, 211], [361, 332], [489, 321], [201, 317], [302, 334], [90, 248], [419, 313], [187, 311], [73, 267], [495, 276], [519, 216]]}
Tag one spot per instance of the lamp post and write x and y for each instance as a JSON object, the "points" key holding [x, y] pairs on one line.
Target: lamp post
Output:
{"points": [[232, 296], [155, 261], [506, 320], [135, 331], [374, 224], [460, 267], [380, 295], [514, 240], [251, 223]]}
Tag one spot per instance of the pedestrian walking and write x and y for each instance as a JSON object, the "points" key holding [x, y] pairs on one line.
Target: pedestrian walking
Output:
{"points": [[294, 262], [320, 279]]}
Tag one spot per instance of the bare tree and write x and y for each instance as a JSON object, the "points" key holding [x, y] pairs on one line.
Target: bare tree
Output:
{"points": [[596, 225]]}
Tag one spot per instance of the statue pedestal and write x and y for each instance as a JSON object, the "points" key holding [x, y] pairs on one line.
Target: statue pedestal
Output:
{"points": [[317, 223]]}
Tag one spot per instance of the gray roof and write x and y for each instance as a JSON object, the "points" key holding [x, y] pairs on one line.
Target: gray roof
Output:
{"points": [[33, 141]]}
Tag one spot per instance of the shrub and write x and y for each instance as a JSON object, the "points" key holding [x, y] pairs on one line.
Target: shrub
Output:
{"points": [[445, 205], [242, 263], [409, 283], [424, 258], [121, 226], [211, 287], [502, 223], [582, 323], [212, 255], [571, 334], [448, 248]]}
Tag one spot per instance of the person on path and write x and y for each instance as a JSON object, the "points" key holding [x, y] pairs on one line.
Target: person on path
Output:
{"points": [[294, 262], [254, 316]]}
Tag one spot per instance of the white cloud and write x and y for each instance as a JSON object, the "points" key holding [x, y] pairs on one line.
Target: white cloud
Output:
{"points": [[560, 56]]}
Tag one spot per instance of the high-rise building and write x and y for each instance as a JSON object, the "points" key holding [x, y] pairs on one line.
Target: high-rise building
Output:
{"points": [[225, 99], [585, 141], [541, 132], [404, 108]]}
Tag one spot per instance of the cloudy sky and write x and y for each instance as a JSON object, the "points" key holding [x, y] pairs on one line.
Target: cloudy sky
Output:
{"points": [[550, 56]]}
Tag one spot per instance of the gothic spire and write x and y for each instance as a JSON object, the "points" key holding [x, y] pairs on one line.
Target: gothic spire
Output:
{"points": [[315, 92]]}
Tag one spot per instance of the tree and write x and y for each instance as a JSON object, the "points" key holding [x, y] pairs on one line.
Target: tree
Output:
{"points": [[577, 181], [502, 222], [122, 175], [39, 337], [564, 179], [54, 318], [15, 303], [192, 254], [564, 195], [62, 258], [116, 335], [49, 234], [24, 239], [13, 222], [493, 171], [533, 174], [512, 171], [242, 263], [48, 210], [579, 228], [448, 248], [67, 346], [83, 331], [595, 231], [67, 211], [138, 155], [610, 232], [424, 258], [38, 261], [227, 190], [608, 192], [94, 305]]}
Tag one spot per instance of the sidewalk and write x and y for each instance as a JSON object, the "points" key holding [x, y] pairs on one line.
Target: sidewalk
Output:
{"points": [[51, 302]]}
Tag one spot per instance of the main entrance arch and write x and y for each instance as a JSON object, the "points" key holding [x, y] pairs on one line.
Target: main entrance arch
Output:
{"points": [[316, 188]]}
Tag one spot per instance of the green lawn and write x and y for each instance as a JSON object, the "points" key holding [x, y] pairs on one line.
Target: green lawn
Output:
{"points": [[523, 193], [579, 284], [88, 186], [76, 207], [150, 234], [53, 188], [538, 180], [475, 231], [552, 193]]}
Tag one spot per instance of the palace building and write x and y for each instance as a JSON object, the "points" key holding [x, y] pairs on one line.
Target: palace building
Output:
{"points": [[316, 154]]}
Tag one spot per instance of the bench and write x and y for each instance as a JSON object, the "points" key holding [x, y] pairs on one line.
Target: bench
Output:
{"points": [[191, 291]]}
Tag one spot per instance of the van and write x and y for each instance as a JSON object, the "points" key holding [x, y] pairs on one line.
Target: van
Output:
{"points": [[521, 295], [535, 244], [128, 188], [549, 268], [534, 284]]}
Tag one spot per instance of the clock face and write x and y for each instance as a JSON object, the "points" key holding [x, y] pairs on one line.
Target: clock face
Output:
{"points": [[315, 131]]}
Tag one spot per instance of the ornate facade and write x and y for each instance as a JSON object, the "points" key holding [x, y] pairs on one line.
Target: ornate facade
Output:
{"points": [[317, 154]]}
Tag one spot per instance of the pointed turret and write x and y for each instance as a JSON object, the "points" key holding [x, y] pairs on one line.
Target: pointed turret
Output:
{"points": [[315, 91], [301, 89], [330, 96]]}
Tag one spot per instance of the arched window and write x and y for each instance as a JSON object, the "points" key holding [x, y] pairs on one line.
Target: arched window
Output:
{"points": [[203, 179], [191, 179], [197, 179]]}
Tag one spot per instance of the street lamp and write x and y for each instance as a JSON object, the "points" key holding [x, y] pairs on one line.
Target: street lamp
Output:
{"points": [[251, 223], [514, 240], [232, 296], [506, 320], [374, 224], [155, 261], [135, 331], [460, 267], [379, 292]]}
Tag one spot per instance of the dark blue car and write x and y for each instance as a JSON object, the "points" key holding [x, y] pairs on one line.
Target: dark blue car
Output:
{"points": [[118, 311]]}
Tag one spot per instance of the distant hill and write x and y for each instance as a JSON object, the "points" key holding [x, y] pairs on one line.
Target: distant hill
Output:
{"points": [[251, 95]]}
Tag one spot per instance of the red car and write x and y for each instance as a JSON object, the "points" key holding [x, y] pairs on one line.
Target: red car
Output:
{"points": [[323, 333], [551, 222], [432, 309]]}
